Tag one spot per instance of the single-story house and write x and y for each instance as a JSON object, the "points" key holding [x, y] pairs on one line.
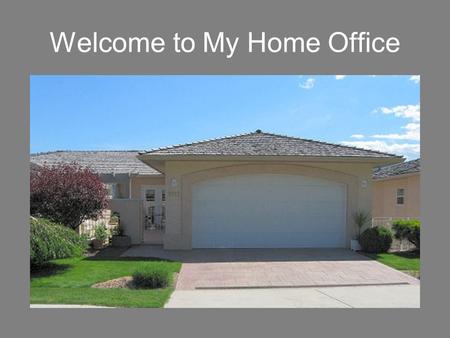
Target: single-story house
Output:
{"points": [[397, 191], [255, 190]]}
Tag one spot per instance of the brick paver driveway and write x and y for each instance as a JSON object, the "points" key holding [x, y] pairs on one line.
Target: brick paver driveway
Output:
{"points": [[262, 268]]}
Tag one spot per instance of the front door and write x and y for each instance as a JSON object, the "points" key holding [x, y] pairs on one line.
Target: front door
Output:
{"points": [[154, 200]]}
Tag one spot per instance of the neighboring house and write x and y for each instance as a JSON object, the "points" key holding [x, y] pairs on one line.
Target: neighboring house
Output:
{"points": [[397, 191], [123, 175], [246, 191], [119, 170]]}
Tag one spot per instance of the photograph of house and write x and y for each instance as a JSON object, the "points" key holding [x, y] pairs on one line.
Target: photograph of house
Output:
{"points": [[225, 191]]}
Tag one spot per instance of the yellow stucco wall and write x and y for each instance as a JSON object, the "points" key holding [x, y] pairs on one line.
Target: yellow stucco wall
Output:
{"points": [[385, 197]]}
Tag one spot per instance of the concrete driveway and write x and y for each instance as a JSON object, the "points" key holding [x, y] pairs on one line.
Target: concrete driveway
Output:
{"points": [[274, 268], [381, 296], [284, 278]]}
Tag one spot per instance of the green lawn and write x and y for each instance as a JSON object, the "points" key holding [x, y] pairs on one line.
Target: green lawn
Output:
{"points": [[406, 261], [69, 282]]}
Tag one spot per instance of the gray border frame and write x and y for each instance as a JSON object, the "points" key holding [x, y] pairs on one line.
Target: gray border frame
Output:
{"points": [[422, 28]]}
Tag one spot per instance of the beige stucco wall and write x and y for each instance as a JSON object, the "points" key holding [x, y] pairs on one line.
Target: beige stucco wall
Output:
{"points": [[130, 217], [385, 197], [181, 175]]}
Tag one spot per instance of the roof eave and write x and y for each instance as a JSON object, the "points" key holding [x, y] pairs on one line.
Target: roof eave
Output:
{"points": [[393, 177], [146, 158], [158, 174], [157, 164], [128, 174]]}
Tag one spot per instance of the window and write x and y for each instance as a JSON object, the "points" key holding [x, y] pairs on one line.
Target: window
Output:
{"points": [[163, 195], [112, 190], [150, 195], [400, 196]]}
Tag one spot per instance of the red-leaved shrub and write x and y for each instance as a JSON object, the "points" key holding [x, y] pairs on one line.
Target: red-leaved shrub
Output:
{"points": [[66, 194]]}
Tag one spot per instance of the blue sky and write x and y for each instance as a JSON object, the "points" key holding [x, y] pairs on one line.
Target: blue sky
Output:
{"points": [[144, 112]]}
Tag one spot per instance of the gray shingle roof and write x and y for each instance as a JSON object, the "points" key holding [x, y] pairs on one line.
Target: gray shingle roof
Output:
{"points": [[102, 162], [266, 144], [33, 166], [397, 169]]}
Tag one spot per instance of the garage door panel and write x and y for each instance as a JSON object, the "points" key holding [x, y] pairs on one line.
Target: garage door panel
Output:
{"points": [[268, 211]]}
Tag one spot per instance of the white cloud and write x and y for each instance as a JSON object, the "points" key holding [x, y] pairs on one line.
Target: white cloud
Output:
{"points": [[415, 78], [410, 150], [391, 143], [357, 136], [412, 133], [409, 111], [340, 77], [308, 84]]}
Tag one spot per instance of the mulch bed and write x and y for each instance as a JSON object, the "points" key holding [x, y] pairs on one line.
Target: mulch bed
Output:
{"points": [[118, 283]]}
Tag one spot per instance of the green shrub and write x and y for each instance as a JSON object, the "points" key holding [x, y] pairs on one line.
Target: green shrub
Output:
{"points": [[377, 239], [101, 232], [49, 241], [153, 277], [408, 229]]}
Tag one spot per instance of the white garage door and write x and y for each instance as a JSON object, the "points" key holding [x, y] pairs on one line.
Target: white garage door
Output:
{"points": [[268, 211]]}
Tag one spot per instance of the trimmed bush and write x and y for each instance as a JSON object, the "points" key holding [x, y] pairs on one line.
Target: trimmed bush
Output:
{"points": [[408, 229], [49, 241], [376, 240], [151, 278]]}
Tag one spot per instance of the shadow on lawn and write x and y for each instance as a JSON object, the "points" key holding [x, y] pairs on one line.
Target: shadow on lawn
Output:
{"points": [[407, 254], [128, 259], [113, 254], [49, 269]]}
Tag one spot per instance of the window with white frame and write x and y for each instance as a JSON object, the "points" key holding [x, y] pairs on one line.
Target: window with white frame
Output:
{"points": [[400, 196]]}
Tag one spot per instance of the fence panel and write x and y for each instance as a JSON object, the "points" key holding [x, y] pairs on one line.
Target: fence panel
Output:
{"points": [[88, 226]]}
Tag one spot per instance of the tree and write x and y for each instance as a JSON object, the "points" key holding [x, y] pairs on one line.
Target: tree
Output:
{"points": [[66, 194]]}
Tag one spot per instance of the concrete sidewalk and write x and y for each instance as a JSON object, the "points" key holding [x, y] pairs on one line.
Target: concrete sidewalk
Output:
{"points": [[66, 306], [383, 296]]}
